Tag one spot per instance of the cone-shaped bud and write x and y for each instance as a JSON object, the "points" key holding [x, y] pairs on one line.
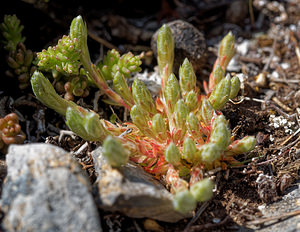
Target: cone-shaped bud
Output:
{"points": [[114, 152], [189, 150], [121, 87], [218, 119], [184, 202], [187, 77], [159, 127], [46, 94], [85, 124], [220, 134], [165, 51], [172, 154], [193, 126], [244, 145], [191, 100], [217, 75], [78, 30], [235, 87], [226, 50], [202, 190], [206, 111], [171, 93], [140, 119], [209, 152], [220, 95], [180, 112], [142, 97]]}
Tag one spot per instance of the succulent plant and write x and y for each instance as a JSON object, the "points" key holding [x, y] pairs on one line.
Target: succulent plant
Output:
{"points": [[12, 32], [19, 59], [10, 131], [66, 58], [179, 136], [125, 64]]}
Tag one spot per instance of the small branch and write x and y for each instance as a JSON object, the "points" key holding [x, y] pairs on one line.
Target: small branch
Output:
{"points": [[210, 225], [102, 41], [278, 217], [280, 80], [283, 106], [197, 215], [270, 57]]}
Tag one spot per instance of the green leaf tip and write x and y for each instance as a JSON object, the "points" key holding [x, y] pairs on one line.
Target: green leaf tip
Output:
{"points": [[121, 87], [165, 51], [202, 190], [209, 152], [184, 202], [172, 154], [85, 124], [142, 97], [244, 145], [140, 118], [235, 87], [159, 127], [189, 150], [171, 93], [187, 77], [226, 50], [45, 93], [78, 30], [220, 95], [114, 152]]}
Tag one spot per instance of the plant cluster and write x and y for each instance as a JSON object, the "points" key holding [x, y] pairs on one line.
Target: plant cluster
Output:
{"points": [[179, 136], [10, 131], [64, 61], [19, 59]]}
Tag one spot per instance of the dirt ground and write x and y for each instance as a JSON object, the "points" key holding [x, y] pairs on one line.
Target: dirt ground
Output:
{"points": [[268, 40]]}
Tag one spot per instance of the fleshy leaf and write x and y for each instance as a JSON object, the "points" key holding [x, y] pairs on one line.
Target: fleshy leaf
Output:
{"points": [[187, 77], [172, 154], [165, 52], [142, 97], [184, 202], [202, 190], [235, 87], [114, 152], [85, 124], [220, 95], [46, 94]]}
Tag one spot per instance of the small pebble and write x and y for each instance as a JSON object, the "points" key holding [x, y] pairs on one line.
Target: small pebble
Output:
{"points": [[216, 220]]}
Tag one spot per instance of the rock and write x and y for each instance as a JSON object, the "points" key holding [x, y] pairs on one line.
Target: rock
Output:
{"points": [[46, 190], [189, 43], [133, 192], [237, 12], [289, 203]]}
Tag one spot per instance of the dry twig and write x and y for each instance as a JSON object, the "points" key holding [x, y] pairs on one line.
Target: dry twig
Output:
{"points": [[273, 218]]}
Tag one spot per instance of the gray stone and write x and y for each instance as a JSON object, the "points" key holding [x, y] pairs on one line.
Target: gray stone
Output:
{"points": [[289, 203], [189, 43], [133, 192], [46, 190]]}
